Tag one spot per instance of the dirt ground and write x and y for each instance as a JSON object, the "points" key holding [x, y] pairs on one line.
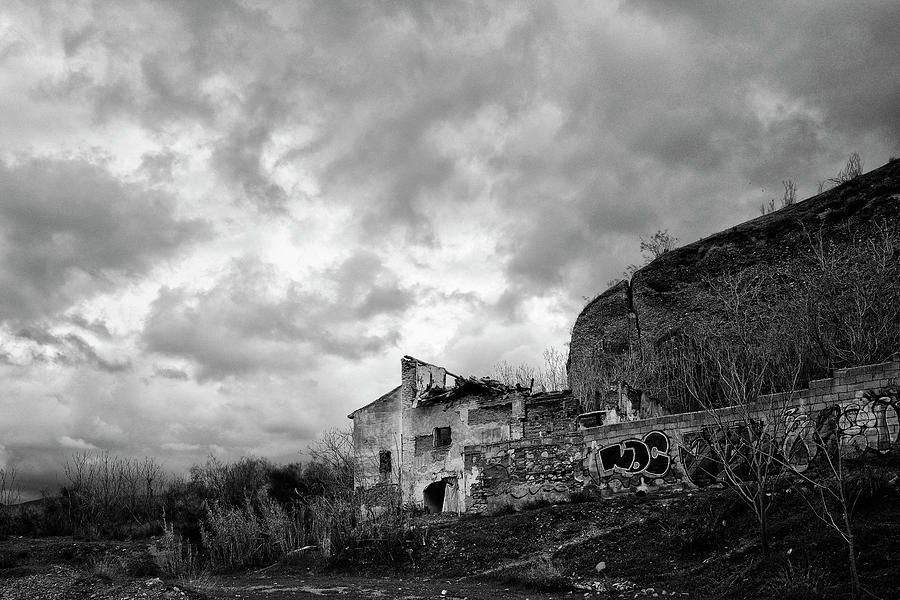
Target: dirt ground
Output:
{"points": [[65, 582], [683, 546]]}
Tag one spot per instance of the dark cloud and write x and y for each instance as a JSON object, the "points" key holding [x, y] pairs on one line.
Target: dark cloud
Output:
{"points": [[97, 327], [68, 230], [171, 373], [158, 165], [586, 107], [68, 349], [250, 321]]}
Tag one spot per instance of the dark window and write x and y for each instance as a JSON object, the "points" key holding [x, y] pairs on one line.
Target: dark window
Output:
{"points": [[441, 436], [384, 461]]}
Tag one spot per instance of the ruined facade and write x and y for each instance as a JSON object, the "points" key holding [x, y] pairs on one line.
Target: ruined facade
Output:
{"points": [[415, 438], [474, 445]]}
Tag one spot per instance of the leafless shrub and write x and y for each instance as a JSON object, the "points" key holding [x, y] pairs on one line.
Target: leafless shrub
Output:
{"points": [[652, 248], [105, 493], [522, 375], [852, 170], [828, 491], [788, 198], [740, 448], [174, 556], [9, 490], [849, 309]]}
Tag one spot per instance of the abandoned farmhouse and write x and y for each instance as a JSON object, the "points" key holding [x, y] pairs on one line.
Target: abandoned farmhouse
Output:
{"points": [[466, 444]]}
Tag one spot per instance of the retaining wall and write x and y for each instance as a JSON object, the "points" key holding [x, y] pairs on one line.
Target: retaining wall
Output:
{"points": [[860, 405]]}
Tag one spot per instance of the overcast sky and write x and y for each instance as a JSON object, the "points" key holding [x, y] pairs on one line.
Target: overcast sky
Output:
{"points": [[223, 223]]}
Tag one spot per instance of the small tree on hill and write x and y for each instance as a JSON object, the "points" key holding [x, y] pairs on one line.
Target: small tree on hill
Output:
{"points": [[652, 248]]}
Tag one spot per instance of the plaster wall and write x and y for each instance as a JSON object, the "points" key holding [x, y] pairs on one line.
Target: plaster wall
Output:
{"points": [[376, 429]]}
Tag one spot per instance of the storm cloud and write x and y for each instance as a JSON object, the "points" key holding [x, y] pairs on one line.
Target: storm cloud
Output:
{"points": [[233, 208]]}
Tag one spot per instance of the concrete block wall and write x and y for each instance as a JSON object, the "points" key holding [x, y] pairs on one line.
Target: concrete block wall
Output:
{"points": [[861, 404], [673, 451]]}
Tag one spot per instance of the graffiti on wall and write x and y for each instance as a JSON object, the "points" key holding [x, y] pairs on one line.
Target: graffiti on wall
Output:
{"points": [[870, 422], [648, 456], [707, 455], [805, 435], [628, 463]]}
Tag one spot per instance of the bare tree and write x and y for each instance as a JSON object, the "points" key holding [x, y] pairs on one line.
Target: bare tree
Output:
{"points": [[851, 170], [652, 248], [788, 198], [553, 375], [739, 448], [849, 310], [9, 491], [522, 374], [105, 491], [333, 452], [827, 493]]}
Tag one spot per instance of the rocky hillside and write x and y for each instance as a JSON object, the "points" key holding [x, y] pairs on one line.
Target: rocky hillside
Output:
{"points": [[667, 293]]}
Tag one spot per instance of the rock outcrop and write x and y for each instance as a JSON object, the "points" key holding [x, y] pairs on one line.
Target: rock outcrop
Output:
{"points": [[667, 293]]}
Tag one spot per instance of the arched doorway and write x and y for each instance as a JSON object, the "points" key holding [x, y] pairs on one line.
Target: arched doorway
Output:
{"points": [[434, 496]]}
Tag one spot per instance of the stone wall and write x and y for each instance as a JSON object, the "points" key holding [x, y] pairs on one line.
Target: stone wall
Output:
{"points": [[544, 464], [522, 471], [862, 405]]}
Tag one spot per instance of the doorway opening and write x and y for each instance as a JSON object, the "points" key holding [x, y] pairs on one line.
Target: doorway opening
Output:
{"points": [[442, 496], [434, 496]]}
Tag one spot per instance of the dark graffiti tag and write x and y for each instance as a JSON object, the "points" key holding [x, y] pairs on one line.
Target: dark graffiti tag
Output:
{"points": [[714, 454], [649, 456]]}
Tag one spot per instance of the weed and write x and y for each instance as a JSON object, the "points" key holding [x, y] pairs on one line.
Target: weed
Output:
{"points": [[541, 575], [868, 483], [174, 556], [796, 582], [106, 567]]}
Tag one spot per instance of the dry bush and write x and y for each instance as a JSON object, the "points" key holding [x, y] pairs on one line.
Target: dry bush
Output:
{"points": [[797, 582], [110, 495], [851, 170], [260, 531], [848, 308], [174, 556], [541, 575]]}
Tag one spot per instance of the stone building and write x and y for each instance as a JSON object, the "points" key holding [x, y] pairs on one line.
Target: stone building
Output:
{"points": [[473, 445], [420, 438]]}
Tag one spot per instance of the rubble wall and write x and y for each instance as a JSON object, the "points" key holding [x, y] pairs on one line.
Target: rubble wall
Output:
{"points": [[861, 405], [543, 464]]}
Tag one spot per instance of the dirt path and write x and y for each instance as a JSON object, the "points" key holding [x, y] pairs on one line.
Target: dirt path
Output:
{"points": [[287, 587]]}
